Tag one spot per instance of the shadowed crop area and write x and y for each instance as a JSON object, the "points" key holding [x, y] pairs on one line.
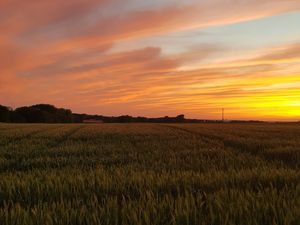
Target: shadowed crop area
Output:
{"points": [[160, 174]]}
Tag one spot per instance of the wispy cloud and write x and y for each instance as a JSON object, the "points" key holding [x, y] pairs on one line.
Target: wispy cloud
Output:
{"points": [[61, 53]]}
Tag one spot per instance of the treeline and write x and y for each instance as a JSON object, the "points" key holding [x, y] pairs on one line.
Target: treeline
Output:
{"points": [[127, 119], [41, 113], [45, 113]]}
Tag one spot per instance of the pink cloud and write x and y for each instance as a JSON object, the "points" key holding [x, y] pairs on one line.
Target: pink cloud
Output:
{"points": [[59, 52]]}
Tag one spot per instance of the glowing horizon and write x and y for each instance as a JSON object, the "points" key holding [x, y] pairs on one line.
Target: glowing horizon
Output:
{"points": [[153, 58]]}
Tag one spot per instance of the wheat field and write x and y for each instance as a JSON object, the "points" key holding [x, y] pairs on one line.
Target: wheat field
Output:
{"points": [[142, 174]]}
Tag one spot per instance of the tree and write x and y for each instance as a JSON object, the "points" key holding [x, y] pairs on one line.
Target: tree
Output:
{"points": [[43, 113], [32, 114], [180, 118], [4, 114], [15, 117]]}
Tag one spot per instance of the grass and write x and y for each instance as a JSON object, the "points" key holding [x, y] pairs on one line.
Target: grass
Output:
{"points": [[136, 174]]}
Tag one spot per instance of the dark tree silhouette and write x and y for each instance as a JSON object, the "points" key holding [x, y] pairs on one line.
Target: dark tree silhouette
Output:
{"points": [[4, 114], [45, 113], [42, 113]]}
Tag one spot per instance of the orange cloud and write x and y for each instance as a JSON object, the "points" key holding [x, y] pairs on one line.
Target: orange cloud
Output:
{"points": [[60, 53], [118, 80]]}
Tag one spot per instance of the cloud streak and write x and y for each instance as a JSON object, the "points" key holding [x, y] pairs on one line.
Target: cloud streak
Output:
{"points": [[65, 53]]}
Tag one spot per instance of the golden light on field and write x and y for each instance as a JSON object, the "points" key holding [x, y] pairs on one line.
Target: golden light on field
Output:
{"points": [[152, 174]]}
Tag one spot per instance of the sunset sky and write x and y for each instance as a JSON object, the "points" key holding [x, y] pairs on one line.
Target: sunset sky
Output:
{"points": [[153, 58]]}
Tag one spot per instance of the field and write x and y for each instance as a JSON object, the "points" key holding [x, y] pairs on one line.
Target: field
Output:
{"points": [[140, 174]]}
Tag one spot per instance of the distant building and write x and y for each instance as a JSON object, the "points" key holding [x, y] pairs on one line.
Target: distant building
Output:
{"points": [[92, 121]]}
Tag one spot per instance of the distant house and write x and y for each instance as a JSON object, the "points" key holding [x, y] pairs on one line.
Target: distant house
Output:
{"points": [[92, 121]]}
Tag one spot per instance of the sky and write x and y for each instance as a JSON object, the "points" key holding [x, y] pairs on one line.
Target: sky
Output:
{"points": [[153, 58]]}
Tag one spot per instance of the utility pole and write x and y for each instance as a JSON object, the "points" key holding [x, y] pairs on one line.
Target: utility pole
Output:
{"points": [[223, 115]]}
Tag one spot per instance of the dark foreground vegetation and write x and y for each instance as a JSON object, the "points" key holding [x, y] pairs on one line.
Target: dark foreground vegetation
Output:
{"points": [[45, 113], [160, 174]]}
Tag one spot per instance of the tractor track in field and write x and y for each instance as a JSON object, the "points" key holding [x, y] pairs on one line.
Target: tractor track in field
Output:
{"points": [[64, 137], [15, 162], [9, 128], [232, 145], [205, 138], [29, 135]]}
